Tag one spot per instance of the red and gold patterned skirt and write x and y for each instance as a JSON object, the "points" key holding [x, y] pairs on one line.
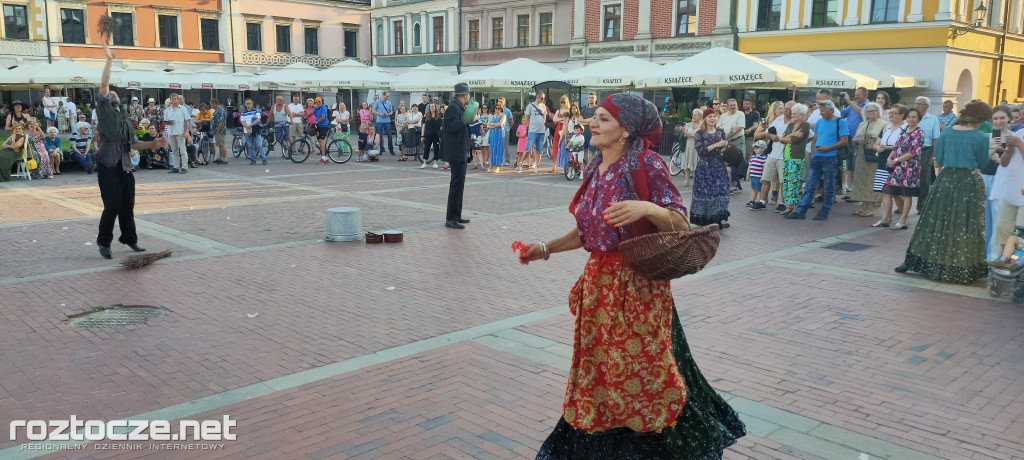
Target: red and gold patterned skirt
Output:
{"points": [[623, 373]]}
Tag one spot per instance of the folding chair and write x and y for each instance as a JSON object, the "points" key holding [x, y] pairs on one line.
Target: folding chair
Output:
{"points": [[22, 163]]}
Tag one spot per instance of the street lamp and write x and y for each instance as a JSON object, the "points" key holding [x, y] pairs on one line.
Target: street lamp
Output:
{"points": [[979, 19]]}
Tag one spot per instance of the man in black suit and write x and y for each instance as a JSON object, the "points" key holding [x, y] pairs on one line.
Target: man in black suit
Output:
{"points": [[455, 150]]}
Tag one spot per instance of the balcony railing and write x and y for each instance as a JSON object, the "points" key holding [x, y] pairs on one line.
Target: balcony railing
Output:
{"points": [[281, 59]]}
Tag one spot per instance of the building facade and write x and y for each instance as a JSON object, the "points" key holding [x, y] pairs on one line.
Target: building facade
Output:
{"points": [[407, 33], [156, 32], [954, 50], [23, 36], [496, 31], [274, 33], [657, 30]]}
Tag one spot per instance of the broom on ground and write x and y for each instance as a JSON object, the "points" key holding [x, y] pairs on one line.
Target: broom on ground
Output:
{"points": [[141, 260]]}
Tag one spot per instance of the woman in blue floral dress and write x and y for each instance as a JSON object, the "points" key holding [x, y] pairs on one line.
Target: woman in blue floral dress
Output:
{"points": [[711, 191]]}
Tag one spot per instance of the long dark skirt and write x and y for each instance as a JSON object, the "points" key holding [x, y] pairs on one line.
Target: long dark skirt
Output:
{"points": [[705, 428], [710, 204], [949, 241]]}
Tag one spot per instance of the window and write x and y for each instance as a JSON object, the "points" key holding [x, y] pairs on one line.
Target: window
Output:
{"points": [[545, 28], [474, 34], [124, 35], [168, 26], [497, 32], [686, 17], [284, 38], [438, 34], [612, 22], [72, 25], [885, 11], [769, 15], [380, 39], [416, 33], [1020, 82], [350, 43], [523, 30], [16, 21], [312, 40], [824, 13], [254, 36], [210, 34], [398, 37]]}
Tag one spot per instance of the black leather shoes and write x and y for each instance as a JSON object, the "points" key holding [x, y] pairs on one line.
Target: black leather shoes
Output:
{"points": [[902, 268], [454, 224], [136, 248], [104, 251], [463, 221]]}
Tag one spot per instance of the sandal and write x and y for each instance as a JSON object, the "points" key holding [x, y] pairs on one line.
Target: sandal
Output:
{"points": [[880, 224]]}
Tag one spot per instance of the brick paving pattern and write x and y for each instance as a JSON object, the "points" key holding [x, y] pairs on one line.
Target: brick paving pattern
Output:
{"points": [[825, 353]]}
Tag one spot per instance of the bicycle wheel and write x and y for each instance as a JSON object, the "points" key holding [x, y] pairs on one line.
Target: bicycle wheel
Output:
{"points": [[203, 151], [339, 151], [237, 146], [300, 150], [569, 171], [286, 148], [675, 163]]}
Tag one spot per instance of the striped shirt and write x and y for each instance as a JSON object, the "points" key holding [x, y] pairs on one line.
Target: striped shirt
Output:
{"points": [[757, 165]]}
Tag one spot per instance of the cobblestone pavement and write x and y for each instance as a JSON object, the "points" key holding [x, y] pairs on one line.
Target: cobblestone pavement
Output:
{"points": [[443, 346]]}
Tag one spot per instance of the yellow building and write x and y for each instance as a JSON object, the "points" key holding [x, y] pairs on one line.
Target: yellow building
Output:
{"points": [[957, 49]]}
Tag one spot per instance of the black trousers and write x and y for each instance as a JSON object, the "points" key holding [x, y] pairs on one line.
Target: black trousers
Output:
{"points": [[117, 189], [455, 191], [927, 175], [431, 143]]}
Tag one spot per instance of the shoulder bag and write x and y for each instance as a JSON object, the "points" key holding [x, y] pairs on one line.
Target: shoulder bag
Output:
{"points": [[870, 154], [842, 153]]}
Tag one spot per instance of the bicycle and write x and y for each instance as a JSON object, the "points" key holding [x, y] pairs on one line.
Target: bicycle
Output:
{"points": [[574, 168], [675, 163], [238, 144], [283, 141], [338, 150]]}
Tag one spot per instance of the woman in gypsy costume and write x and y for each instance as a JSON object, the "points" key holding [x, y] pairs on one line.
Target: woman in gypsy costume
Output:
{"points": [[711, 190], [949, 241], [634, 390], [114, 165]]}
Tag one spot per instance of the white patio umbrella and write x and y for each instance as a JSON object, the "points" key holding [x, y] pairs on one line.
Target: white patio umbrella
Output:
{"points": [[212, 78], [887, 78], [148, 77], [824, 74], [287, 77], [724, 68], [66, 72], [350, 74], [426, 77], [521, 73], [19, 75], [617, 72]]}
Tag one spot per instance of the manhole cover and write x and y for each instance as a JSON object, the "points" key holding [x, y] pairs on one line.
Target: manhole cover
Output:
{"points": [[848, 247], [116, 316]]}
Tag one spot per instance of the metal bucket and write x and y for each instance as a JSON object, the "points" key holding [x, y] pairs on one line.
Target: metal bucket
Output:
{"points": [[344, 224]]}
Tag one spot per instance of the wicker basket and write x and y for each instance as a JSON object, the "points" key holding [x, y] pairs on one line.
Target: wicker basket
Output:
{"points": [[670, 255]]}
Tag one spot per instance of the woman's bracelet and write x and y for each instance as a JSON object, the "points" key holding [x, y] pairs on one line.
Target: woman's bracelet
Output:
{"points": [[544, 250]]}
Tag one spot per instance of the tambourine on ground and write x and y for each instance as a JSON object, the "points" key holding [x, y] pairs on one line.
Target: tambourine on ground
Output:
{"points": [[671, 255]]}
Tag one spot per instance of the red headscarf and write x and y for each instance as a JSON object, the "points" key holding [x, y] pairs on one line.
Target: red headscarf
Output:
{"points": [[638, 116]]}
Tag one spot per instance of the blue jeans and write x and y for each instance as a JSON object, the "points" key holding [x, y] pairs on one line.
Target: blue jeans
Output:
{"points": [[385, 128], [992, 250], [82, 161], [535, 142], [251, 149], [821, 168]]}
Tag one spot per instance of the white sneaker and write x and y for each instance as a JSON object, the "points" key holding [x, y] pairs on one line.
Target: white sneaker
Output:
{"points": [[424, 165], [435, 165]]}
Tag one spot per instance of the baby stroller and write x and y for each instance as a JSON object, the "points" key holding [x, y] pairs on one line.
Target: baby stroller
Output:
{"points": [[1000, 280]]}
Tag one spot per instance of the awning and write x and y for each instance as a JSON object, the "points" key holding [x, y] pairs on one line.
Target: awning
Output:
{"points": [[518, 73], [824, 74], [426, 77], [617, 72], [724, 68], [887, 78]]}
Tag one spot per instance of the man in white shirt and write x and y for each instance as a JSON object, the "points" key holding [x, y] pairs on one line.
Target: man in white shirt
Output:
{"points": [[176, 119], [929, 124], [295, 113], [733, 122], [72, 110]]}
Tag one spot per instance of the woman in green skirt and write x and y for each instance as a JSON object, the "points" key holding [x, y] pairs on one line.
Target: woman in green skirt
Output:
{"points": [[949, 242]]}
